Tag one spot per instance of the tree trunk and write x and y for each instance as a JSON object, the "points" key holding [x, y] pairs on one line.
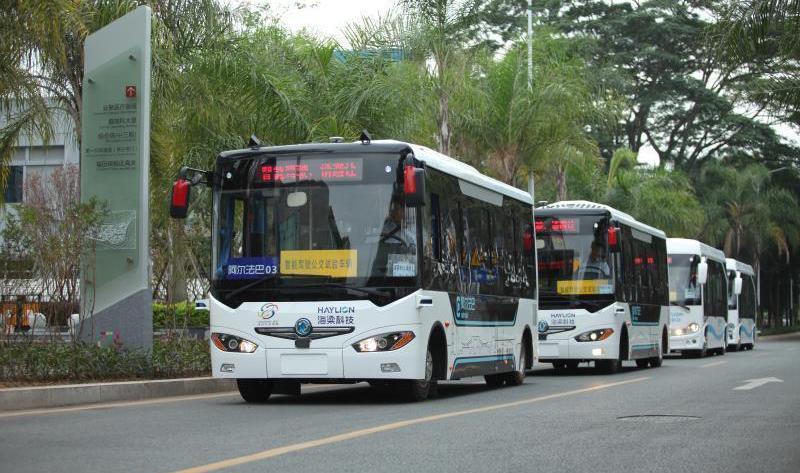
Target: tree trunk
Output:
{"points": [[444, 124], [561, 183]]}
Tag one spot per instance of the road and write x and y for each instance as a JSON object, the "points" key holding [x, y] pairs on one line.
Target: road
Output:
{"points": [[686, 415]]}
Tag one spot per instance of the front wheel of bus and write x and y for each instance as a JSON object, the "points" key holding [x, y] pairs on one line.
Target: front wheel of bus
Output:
{"points": [[419, 389], [254, 390]]}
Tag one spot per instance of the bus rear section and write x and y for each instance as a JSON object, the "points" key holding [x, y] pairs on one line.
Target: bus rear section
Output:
{"points": [[340, 263], [741, 306], [602, 287], [698, 298]]}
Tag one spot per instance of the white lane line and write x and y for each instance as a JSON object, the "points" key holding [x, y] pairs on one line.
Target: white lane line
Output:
{"points": [[754, 383], [716, 363], [274, 452]]}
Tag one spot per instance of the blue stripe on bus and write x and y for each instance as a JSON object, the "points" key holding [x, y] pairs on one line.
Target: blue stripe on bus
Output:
{"points": [[646, 345], [749, 333], [644, 323], [479, 359]]}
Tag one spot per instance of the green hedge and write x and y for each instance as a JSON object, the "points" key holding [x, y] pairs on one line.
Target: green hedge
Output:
{"points": [[180, 314], [52, 361]]}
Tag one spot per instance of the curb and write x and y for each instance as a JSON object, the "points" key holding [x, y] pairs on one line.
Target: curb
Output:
{"points": [[37, 397]]}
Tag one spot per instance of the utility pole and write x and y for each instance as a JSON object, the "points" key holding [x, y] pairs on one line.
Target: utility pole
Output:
{"points": [[530, 44], [531, 183]]}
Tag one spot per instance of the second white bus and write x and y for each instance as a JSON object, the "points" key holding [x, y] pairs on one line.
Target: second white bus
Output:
{"points": [[698, 298], [603, 293]]}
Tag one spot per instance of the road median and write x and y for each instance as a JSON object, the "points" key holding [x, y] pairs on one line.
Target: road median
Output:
{"points": [[38, 397]]}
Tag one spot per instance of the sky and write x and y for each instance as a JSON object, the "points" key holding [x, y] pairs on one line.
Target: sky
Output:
{"points": [[323, 17]]}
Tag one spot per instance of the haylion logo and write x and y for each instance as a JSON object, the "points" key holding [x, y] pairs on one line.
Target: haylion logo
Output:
{"points": [[543, 326], [268, 311]]}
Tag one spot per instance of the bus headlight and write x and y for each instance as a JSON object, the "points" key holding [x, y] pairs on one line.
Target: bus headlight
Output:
{"points": [[384, 342], [595, 335], [692, 328], [231, 343]]}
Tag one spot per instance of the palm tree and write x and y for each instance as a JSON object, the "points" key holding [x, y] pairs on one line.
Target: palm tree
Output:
{"points": [[763, 34]]}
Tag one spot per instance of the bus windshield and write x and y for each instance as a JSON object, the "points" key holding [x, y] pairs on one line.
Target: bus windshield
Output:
{"points": [[683, 287], [573, 257], [302, 221]]}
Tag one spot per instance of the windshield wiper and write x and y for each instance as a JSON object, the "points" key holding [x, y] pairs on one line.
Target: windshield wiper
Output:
{"points": [[680, 305], [363, 290], [370, 292], [247, 286]]}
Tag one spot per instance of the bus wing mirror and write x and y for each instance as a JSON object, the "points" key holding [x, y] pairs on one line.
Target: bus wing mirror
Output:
{"points": [[737, 285], [613, 240], [414, 186], [179, 203], [702, 271]]}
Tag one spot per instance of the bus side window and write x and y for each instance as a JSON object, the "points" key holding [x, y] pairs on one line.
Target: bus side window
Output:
{"points": [[436, 227]]}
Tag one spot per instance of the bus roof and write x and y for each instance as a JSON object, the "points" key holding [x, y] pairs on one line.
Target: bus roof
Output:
{"points": [[430, 157], [578, 206], [685, 246], [736, 265]]}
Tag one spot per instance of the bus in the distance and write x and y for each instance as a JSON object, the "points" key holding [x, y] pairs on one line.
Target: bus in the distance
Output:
{"points": [[603, 294], [742, 305], [375, 261], [698, 296]]}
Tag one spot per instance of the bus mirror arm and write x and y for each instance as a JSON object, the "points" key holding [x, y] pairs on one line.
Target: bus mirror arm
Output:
{"points": [[737, 285], [196, 176]]}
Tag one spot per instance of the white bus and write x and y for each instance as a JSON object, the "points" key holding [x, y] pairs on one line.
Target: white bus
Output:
{"points": [[742, 305], [602, 287], [698, 286], [376, 261]]}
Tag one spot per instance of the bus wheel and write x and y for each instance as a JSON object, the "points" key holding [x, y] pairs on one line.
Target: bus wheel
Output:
{"points": [[608, 366], [642, 363], [254, 390], [517, 377], [572, 365], [416, 390], [495, 380]]}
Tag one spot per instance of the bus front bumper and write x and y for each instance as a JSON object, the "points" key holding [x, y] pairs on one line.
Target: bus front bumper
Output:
{"points": [[570, 349], [320, 363], [678, 343]]}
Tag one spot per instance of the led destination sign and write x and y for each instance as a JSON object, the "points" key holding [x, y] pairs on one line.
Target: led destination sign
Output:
{"points": [[293, 170]]}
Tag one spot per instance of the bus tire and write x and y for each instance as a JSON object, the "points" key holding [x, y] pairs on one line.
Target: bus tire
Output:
{"points": [[642, 363], [517, 377], [572, 365], [608, 366], [255, 391], [495, 380], [416, 390]]}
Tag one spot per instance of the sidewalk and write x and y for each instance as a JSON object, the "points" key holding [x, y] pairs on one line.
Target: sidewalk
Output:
{"points": [[37, 397]]}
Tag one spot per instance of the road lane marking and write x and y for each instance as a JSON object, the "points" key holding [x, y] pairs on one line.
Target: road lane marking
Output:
{"points": [[278, 451], [754, 383], [146, 402], [716, 363]]}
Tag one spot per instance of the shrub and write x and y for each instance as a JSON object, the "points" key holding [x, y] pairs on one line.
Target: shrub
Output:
{"points": [[53, 361], [181, 314]]}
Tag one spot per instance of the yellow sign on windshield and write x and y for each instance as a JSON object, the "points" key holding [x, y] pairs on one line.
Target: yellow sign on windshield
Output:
{"points": [[585, 286], [334, 263]]}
